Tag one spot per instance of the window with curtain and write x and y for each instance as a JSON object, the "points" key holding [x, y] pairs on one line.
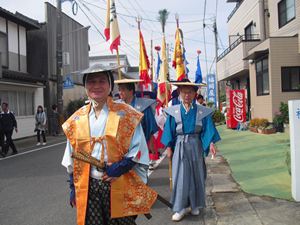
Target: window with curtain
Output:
{"points": [[286, 12], [262, 77], [290, 79], [19, 102]]}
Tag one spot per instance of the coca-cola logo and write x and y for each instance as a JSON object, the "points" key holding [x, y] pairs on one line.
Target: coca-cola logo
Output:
{"points": [[238, 106]]}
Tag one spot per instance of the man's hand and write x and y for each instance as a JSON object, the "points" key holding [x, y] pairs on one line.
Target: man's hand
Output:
{"points": [[107, 178], [72, 191], [169, 152], [213, 150], [16, 129]]}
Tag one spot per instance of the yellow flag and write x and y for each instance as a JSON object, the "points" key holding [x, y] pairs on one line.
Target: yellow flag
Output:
{"points": [[178, 63]]}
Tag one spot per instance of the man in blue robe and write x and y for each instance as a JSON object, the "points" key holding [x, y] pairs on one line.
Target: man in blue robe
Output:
{"points": [[189, 134], [143, 105]]}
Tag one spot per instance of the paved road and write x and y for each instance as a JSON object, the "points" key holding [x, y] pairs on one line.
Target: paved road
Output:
{"points": [[33, 189]]}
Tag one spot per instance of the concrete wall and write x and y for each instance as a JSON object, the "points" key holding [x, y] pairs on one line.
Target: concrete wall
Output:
{"points": [[233, 62], [283, 53], [290, 29], [249, 11]]}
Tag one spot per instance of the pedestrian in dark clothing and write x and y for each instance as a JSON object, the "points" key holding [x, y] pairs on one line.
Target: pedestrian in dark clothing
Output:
{"points": [[8, 124], [1, 138], [54, 121]]}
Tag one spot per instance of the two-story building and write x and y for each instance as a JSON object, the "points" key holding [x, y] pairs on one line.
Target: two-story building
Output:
{"points": [[263, 56], [22, 90], [28, 71]]}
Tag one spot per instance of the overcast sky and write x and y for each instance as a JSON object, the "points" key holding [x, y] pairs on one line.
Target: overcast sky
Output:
{"points": [[191, 13]]}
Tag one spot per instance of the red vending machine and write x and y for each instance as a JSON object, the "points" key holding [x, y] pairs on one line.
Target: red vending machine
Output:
{"points": [[236, 111]]}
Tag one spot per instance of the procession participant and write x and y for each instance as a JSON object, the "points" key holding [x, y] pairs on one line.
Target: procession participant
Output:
{"points": [[189, 134], [200, 100], [143, 105], [109, 135]]}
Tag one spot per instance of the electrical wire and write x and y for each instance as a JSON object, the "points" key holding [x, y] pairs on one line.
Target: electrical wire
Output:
{"points": [[205, 54], [102, 23], [91, 22]]}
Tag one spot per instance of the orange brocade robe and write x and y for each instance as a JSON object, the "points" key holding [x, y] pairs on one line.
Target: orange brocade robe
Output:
{"points": [[129, 195]]}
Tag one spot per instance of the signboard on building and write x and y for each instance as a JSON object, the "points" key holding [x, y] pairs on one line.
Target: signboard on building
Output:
{"points": [[211, 88], [294, 119], [236, 113], [68, 82]]}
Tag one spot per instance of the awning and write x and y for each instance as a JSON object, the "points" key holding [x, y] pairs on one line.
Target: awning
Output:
{"points": [[257, 54]]}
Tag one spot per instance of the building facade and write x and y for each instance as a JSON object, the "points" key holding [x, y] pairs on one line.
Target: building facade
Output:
{"points": [[75, 57], [19, 87], [263, 56]]}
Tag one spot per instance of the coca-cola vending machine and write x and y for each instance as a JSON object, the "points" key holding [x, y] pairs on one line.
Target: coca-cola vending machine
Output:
{"points": [[236, 111]]}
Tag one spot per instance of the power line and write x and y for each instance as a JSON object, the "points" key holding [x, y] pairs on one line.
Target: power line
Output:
{"points": [[205, 54], [91, 22], [151, 20], [102, 22]]}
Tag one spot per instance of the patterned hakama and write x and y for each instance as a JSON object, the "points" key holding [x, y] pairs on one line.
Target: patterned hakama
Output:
{"points": [[98, 207]]}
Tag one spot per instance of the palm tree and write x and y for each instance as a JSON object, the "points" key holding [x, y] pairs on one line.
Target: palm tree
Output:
{"points": [[163, 16]]}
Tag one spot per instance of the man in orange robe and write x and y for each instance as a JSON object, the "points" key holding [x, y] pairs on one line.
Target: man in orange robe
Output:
{"points": [[110, 133]]}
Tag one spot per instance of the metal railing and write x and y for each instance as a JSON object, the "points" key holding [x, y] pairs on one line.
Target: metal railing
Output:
{"points": [[234, 10], [242, 38]]}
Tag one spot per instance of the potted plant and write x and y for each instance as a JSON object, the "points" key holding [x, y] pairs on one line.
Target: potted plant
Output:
{"points": [[262, 125], [254, 125], [278, 121], [269, 130]]}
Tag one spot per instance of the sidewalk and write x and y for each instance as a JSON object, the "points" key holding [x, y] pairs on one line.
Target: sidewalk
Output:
{"points": [[232, 206]]}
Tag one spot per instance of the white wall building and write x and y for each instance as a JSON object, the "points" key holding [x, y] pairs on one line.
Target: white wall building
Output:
{"points": [[18, 87]]}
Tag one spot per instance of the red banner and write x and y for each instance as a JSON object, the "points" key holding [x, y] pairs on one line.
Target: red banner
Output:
{"points": [[236, 113]]}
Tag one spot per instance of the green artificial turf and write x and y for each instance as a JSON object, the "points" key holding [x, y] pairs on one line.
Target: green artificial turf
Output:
{"points": [[258, 161]]}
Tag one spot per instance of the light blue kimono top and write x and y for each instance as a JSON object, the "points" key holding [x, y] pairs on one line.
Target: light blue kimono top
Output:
{"points": [[207, 135]]}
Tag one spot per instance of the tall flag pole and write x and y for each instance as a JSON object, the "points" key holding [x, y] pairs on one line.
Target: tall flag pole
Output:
{"points": [[144, 63], [178, 61], [111, 30], [162, 92], [198, 75]]}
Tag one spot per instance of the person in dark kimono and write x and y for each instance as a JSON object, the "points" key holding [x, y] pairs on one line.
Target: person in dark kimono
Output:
{"points": [[189, 134]]}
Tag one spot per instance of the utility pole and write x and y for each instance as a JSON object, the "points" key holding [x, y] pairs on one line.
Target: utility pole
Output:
{"points": [[59, 66], [216, 57]]}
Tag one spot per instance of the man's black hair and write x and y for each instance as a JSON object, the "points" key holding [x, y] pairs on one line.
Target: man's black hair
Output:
{"points": [[200, 97], [129, 87]]}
